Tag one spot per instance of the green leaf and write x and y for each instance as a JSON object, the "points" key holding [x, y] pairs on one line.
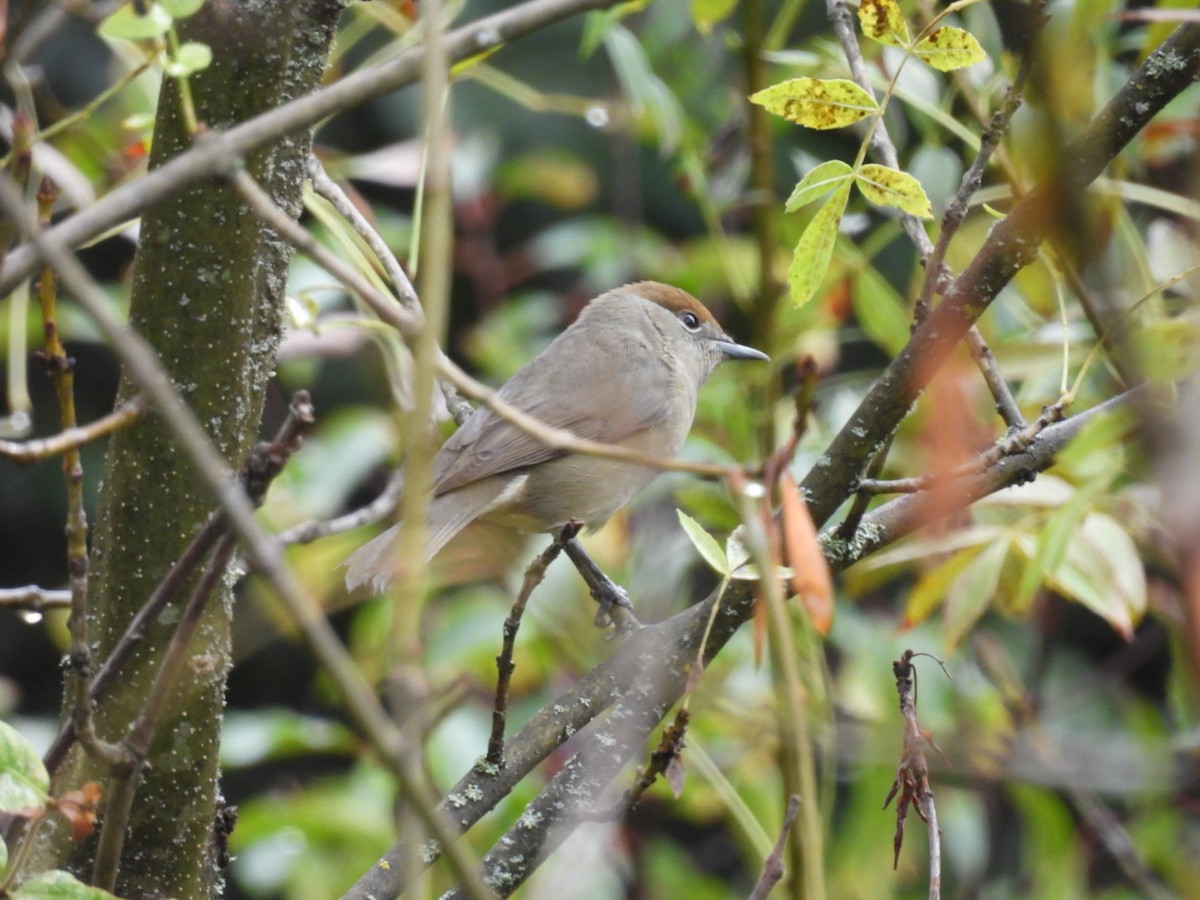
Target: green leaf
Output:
{"points": [[704, 543], [24, 782], [947, 49], [127, 24], [971, 592], [59, 885], [882, 21], [815, 249], [818, 182], [880, 310], [885, 186], [1052, 542], [181, 9], [817, 103], [708, 13], [1103, 571], [190, 58]]}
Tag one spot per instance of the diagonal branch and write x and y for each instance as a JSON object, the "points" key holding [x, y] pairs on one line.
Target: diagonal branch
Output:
{"points": [[1012, 245]]}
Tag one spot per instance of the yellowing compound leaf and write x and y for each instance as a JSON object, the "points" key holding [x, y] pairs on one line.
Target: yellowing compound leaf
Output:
{"points": [[815, 249], [817, 182], [817, 103], [885, 186], [947, 49], [882, 21]]}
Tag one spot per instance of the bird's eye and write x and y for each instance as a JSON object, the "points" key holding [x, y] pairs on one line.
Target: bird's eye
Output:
{"points": [[690, 321]]}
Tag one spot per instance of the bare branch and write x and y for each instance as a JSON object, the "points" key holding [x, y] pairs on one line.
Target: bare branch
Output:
{"points": [[34, 599], [772, 869], [43, 448]]}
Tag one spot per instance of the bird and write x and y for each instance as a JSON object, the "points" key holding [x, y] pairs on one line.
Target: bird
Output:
{"points": [[626, 372]]}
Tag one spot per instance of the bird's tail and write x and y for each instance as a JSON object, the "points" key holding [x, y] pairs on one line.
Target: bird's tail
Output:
{"points": [[375, 560]]}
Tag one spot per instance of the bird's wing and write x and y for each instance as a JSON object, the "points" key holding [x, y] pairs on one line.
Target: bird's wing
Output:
{"points": [[591, 391]]}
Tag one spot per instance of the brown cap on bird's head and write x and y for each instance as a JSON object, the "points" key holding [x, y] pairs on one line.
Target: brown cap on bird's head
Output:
{"points": [[679, 302], [672, 298]]}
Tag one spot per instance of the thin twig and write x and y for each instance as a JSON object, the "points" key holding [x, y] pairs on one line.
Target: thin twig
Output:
{"points": [[504, 662], [666, 760], [382, 507], [61, 369], [407, 320], [324, 185], [43, 448], [985, 361], [1014, 442], [772, 868], [912, 775], [33, 599]]}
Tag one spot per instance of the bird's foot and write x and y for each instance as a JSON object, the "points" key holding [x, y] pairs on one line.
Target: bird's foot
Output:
{"points": [[615, 607], [611, 597]]}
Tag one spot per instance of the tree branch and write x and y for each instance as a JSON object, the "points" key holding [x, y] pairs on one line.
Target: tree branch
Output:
{"points": [[1012, 245], [213, 155]]}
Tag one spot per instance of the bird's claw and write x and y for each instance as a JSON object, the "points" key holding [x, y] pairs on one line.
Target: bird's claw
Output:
{"points": [[609, 596]]}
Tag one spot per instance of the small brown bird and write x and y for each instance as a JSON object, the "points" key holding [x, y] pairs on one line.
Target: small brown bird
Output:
{"points": [[627, 372]]}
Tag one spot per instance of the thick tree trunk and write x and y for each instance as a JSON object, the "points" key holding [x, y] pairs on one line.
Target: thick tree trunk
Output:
{"points": [[208, 295]]}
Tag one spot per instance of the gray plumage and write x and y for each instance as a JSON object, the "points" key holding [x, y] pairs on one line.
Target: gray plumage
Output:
{"points": [[626, 372]]}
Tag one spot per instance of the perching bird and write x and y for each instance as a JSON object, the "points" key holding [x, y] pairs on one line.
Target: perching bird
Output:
{"points": [[627, 372]]}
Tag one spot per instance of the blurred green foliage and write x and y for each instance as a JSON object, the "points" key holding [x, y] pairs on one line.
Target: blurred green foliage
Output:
{"points": [[1055, 605]]}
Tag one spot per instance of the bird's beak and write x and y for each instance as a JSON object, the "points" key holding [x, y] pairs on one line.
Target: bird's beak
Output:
{"points": [[740, 351]]}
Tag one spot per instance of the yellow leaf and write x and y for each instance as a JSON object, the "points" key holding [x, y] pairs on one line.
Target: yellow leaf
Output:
{"points": [[885, 186], [949, 48], [820, 180], [815, 249], [882, 21], [817, 103]]}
